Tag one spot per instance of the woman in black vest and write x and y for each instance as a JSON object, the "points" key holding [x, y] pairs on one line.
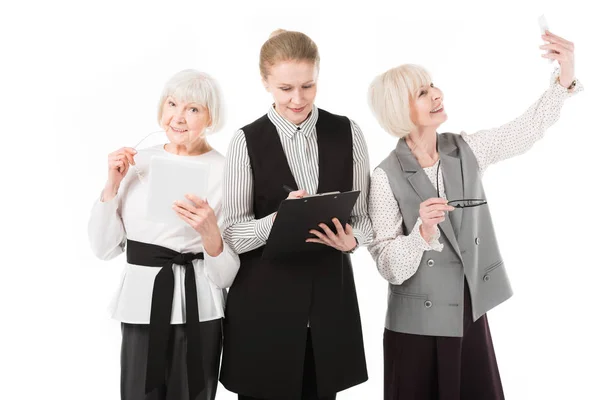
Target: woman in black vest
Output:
{"points": [[437, 343], [292, 327]]}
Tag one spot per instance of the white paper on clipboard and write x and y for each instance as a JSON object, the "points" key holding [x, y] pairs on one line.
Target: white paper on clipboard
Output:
{"points": [[170, 180]]}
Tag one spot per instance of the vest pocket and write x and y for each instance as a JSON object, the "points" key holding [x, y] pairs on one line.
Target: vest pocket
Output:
{"points": [[399, 292], [494, 266]]}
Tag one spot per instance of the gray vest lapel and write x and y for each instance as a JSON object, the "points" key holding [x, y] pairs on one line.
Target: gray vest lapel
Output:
{"points": [[422, 185], [453, 181]]}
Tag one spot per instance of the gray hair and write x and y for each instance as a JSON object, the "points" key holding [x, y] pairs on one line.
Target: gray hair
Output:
{"points": [[198, 87], [390, 96]]}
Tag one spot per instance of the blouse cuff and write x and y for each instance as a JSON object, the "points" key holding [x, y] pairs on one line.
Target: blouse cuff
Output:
{"points": [[222, 268], [263, 226], [360, 237], [218, 258], [561, 90], [434, 243], [106, 207]]}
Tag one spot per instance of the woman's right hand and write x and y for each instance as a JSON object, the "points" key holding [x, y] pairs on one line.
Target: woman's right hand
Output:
{"points": [[118, 165], [432, 212], [296, 194]]}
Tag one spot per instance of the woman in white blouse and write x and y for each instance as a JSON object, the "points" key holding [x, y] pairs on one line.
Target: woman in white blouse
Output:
{"points": [[171, 347], [444, 274]]}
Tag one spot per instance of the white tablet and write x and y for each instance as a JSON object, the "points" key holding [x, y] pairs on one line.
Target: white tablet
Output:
{"points": [[170, 180]]}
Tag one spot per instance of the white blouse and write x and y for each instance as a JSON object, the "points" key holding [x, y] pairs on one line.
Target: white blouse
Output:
{"points": [[398, 254], [113, 222]]}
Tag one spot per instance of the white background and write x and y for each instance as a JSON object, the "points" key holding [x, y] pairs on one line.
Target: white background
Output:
{"points": [[81, 79]]}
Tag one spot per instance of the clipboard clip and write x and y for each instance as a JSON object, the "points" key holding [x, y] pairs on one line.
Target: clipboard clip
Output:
{"points": [[289, 189]]}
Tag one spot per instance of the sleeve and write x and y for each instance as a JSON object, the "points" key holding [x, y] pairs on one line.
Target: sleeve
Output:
{"points": [[359, 217], [241, 230], [105, 229], [516, 137], [396, 255], [222, 269]]}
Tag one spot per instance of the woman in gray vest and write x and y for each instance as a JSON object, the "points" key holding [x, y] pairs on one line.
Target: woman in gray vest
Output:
{"points": [[444, 274], [292, 326]]}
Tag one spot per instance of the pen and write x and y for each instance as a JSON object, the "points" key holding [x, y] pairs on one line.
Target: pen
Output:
{"points": [[288, 189]]}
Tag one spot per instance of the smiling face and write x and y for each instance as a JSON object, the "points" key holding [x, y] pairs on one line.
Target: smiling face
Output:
{"points": [[184, 122], [293, 85], [427, 107]]}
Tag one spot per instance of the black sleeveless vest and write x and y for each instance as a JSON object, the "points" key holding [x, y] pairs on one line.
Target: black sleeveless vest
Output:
{"points": [[270, 302]]}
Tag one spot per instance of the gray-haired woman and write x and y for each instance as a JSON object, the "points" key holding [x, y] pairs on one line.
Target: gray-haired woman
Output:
{"points": [[437, 343], [171, 298]]}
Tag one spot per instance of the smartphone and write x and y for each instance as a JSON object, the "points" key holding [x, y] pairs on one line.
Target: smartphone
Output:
{"points": [[543, 23]]}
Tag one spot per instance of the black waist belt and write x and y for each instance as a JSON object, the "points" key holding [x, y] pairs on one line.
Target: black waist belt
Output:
{"points": [[151, 255]]}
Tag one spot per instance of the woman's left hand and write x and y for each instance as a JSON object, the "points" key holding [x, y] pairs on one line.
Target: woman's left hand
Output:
{"points": [[202, 218], [564, 52], [343, 240]]}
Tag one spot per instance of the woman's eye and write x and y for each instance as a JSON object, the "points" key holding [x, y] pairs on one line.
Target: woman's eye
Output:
{"points": [[422, 93], [194, 109], [285, 89], [431, 84], [171, 104]]}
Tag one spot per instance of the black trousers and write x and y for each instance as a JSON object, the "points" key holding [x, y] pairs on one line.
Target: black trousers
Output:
{"points": [[134, 353], [309, 381], [418, 367]]}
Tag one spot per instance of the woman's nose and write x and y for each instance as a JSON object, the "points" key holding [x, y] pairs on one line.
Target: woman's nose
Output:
{"points": [[297, 97]]}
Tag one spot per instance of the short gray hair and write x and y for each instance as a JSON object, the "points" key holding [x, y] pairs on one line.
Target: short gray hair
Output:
{"points": [[390, 96], [198, 87]]}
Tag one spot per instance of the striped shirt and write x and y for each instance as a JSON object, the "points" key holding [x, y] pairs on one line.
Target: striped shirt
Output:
{"points": [[245, 233]]}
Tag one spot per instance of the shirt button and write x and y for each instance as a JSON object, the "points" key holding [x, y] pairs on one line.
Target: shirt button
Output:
{"points": [[486, 278], [430, 262], [428, 304], [477, 241]]}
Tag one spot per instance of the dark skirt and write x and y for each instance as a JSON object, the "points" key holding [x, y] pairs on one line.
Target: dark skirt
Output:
{"points": [[418, 367], [134, 352], [309, 379]]}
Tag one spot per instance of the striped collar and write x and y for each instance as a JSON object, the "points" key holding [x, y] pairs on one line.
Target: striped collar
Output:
{"points": [[288, 128]]}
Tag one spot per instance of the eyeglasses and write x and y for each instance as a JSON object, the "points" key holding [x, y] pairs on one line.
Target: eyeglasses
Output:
{"points": [[462, 203], [137, 171]]}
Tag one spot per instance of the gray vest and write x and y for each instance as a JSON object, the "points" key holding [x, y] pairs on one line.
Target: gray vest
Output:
{"points": [[431, 301]]}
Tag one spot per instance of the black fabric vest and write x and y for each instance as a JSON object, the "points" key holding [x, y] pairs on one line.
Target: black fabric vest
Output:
{"points": [[271, 170], [271, 301]]}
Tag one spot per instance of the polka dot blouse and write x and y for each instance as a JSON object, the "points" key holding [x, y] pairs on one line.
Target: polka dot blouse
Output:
{"points": [[398, 253]]}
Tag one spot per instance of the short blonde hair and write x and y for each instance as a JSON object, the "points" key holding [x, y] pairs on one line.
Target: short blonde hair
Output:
{"points": [[198, 87], [391, 94], [285, 45]]}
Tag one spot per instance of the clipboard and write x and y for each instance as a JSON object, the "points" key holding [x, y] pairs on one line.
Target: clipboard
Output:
{"points": [[296, 217], [170, 180]]}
